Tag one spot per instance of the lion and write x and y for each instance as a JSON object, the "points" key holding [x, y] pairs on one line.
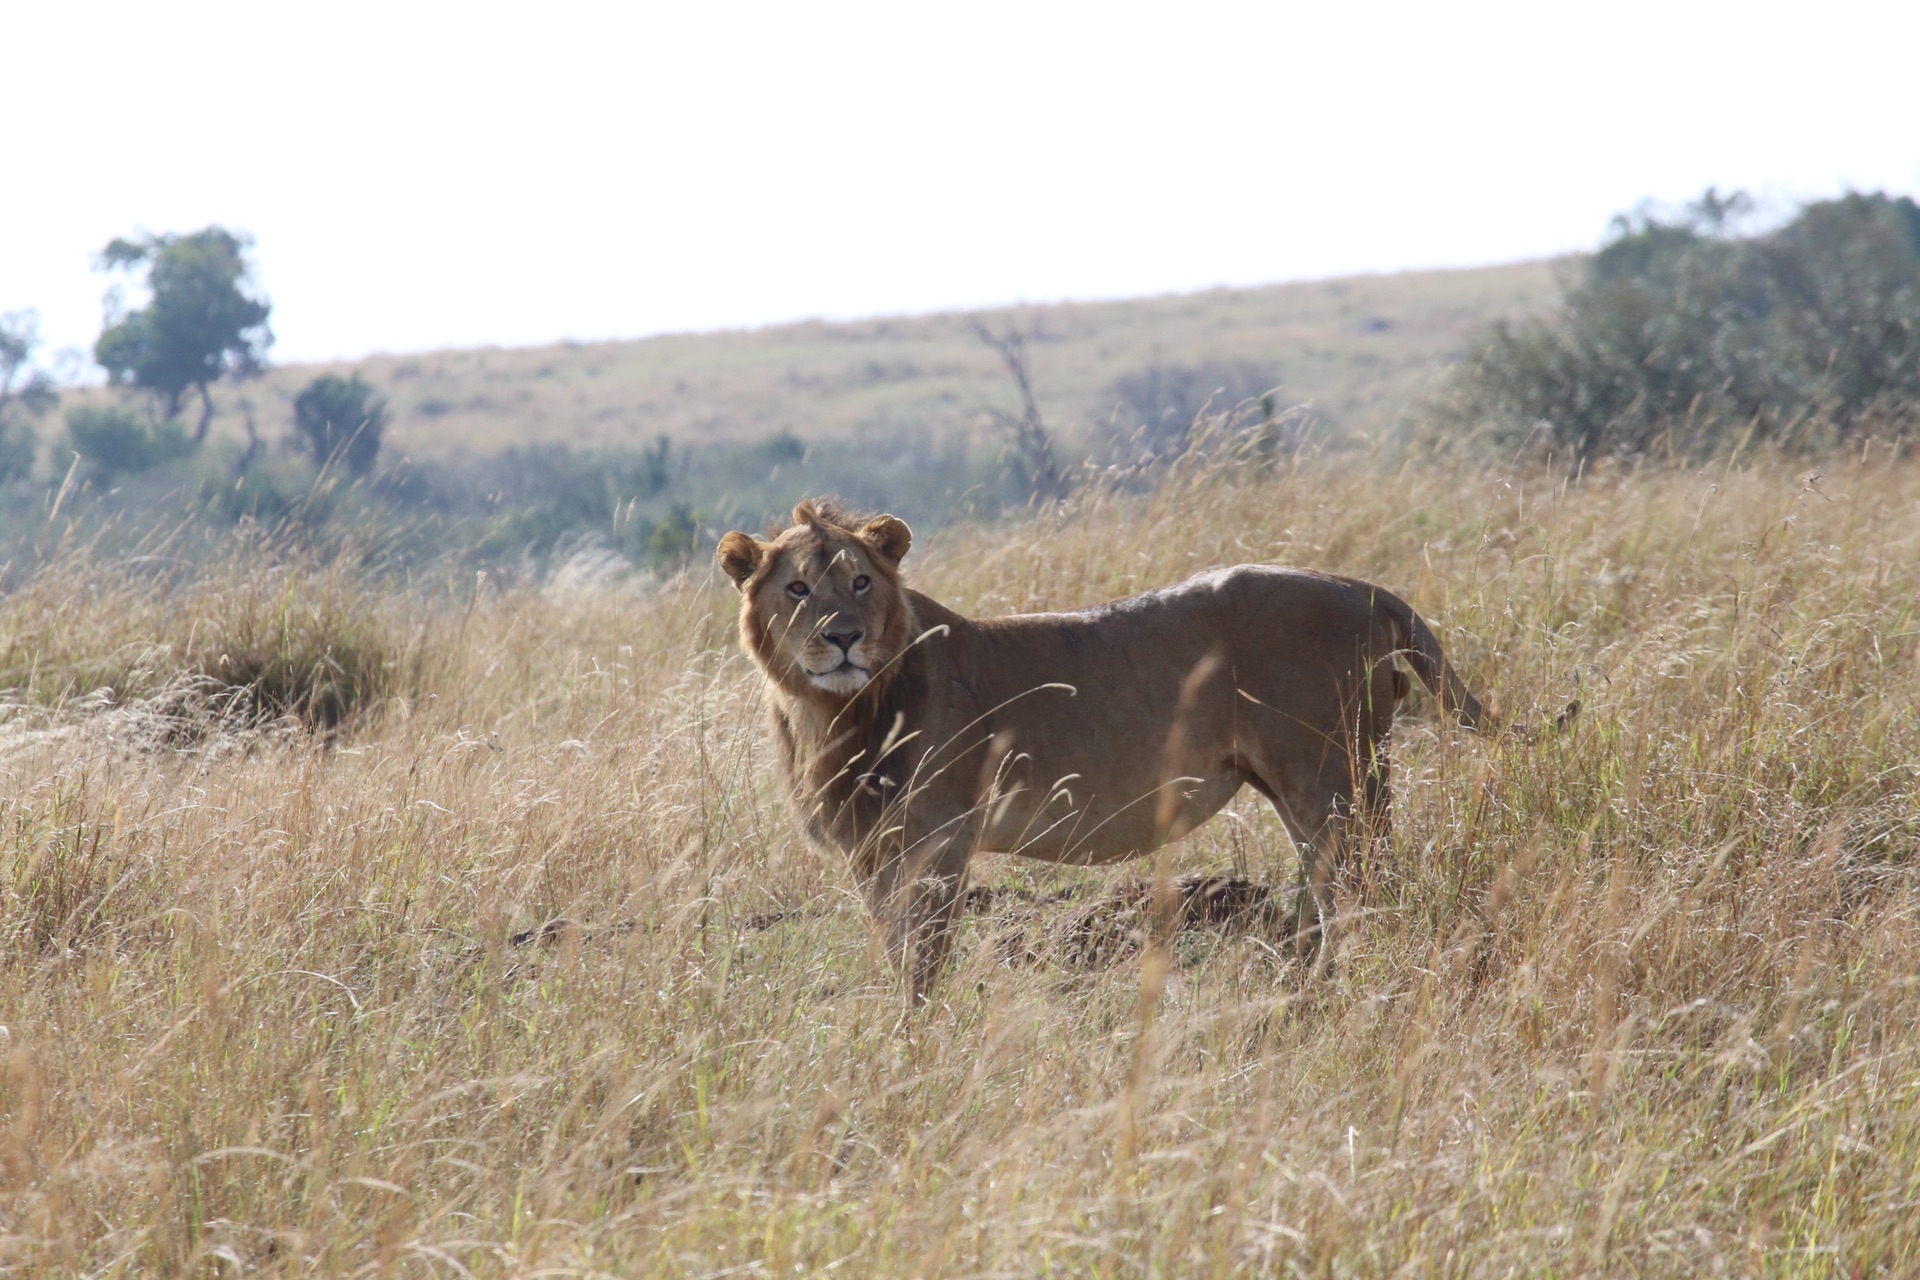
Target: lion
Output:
{"points": [[912, 737]]}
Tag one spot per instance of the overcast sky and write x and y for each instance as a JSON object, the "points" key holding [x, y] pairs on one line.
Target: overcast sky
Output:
{"points": [[420, 176]]}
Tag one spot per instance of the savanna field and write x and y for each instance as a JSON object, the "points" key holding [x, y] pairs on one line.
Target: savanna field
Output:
{"points": [[455, 929]]}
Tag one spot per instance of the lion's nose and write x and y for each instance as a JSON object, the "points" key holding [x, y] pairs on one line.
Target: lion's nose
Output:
{"points": [[845, 639]]}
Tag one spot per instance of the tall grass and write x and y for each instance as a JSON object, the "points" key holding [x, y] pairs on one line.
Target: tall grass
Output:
{"points": [[1640, 998], [261, 631]]}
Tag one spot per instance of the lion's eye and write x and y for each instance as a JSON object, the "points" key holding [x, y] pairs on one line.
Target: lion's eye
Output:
{"points": [[798, 590], [862, 582]]}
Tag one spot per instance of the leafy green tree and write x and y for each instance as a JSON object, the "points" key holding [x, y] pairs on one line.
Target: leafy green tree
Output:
{"points": [[25, 392], [1680, 334], [201, 325], [342, 420]]}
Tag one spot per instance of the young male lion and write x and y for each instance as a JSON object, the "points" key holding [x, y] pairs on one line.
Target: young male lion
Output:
{"points": [[913, 737]]}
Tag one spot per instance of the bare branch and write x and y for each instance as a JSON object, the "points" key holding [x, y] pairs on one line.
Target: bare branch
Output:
{"points": [[1031, 441]]}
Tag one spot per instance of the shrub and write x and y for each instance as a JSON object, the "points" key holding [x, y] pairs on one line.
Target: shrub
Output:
{"points": [[781, 449], [268, 496], [676, 536], [342, 420], [114, 441], [1680, 334], [18, 449]]}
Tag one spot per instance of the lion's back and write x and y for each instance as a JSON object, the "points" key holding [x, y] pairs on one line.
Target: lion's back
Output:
{"points": [[1126, 660]]}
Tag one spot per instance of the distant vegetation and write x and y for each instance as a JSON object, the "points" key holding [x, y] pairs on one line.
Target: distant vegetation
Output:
{"points": [[202, 323], [342, 421], [112, 441], [1358, 350], [26, 393], [1028, 449], [1158, 407], [333, 458], [139, 486], [1682, 336]]}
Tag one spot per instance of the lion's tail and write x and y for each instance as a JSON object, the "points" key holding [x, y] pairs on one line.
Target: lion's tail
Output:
{"points": [[1415, 642], [1421, 648]]}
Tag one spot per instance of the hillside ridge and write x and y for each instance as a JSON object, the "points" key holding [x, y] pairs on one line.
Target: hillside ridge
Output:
{"points": [[1358, 348]]}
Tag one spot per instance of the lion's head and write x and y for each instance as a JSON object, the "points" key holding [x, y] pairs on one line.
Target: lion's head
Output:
{"points": [[822, 608]]}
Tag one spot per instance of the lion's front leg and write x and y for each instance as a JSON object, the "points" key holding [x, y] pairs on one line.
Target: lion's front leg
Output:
{"points": [[914, 897]]}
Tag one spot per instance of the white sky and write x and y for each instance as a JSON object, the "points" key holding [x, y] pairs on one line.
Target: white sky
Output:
{"points": [[426, 175]]}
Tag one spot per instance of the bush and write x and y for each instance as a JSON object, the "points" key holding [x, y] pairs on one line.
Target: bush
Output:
{"points": [[115, 441], [1680, 334], [268, 496], [342, 420], [676, 536], [781, 449], [17, 451]]}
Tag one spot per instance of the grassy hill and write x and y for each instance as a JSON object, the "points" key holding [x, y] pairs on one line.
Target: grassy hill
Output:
{"points": [[1357, 349], [510, 455]]}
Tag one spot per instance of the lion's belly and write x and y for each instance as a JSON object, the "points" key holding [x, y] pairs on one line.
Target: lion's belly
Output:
{"points": [[1058, 825]]}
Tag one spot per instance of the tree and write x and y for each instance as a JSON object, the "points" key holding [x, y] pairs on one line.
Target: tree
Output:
{"points": [[342, 419], [1032, 444], [201, 324], [1680, 334], [25, 392]]}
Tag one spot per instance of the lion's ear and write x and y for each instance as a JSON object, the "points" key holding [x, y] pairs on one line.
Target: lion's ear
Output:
{"points": [[888, 535], [740, 554]]}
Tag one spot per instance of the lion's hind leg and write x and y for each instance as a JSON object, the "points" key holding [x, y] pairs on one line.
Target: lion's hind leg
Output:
{"points": [[1330, 803], [1371, 761], [1313, 903]]}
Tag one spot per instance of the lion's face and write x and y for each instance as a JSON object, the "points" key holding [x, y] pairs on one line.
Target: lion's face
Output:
{"points": [[822, 609]]}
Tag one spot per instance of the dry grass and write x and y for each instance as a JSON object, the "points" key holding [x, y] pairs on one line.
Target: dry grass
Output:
{"points": [[1639, 999], [261, 633]]}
